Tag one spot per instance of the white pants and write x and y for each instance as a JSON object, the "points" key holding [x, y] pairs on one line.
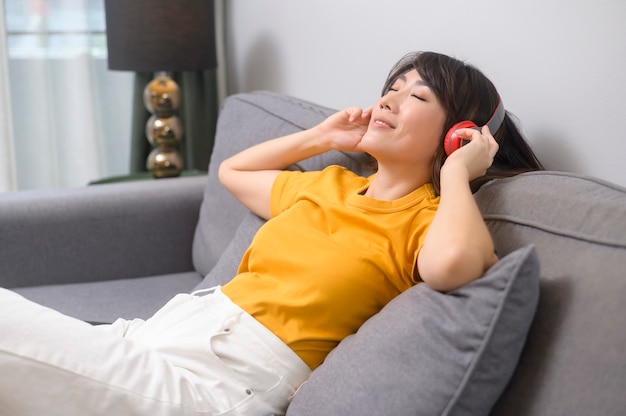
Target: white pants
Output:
{"points": [[198, 355]]}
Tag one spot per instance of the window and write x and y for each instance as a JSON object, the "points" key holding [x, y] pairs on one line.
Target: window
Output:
{"points": [[71, 115], [55, 28]]}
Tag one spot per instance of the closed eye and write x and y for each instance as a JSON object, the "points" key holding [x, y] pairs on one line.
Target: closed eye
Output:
{"points": [[418, 97]]}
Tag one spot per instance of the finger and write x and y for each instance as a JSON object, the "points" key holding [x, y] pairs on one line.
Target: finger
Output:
{"points": [[493, 144], [353, 113], [367, 113], [493, 147], [467, 134]]}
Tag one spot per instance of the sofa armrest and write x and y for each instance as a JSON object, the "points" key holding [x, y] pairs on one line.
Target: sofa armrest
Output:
{"points": [[102, 232]]}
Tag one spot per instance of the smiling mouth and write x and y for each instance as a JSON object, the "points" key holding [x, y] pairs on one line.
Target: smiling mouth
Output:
{"points": [[383, 122]]}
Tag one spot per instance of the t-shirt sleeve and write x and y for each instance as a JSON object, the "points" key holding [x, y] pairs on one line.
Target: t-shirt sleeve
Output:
{"points": [[286, 187]]}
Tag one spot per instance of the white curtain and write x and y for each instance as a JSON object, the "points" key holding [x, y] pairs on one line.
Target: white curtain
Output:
{"points": [[71, 115], [7, 156]]}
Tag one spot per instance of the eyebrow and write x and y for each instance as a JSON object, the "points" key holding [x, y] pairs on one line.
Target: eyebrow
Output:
{"points": [[419, 82]]}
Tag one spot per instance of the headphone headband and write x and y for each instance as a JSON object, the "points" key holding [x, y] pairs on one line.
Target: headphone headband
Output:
{"points": [[497, 117]]}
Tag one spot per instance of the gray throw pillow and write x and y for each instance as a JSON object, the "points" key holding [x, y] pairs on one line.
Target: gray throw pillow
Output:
{"points": [[430, 353]]}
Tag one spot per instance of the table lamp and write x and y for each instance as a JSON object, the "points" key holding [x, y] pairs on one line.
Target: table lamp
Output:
{"points": [[160, 36]]}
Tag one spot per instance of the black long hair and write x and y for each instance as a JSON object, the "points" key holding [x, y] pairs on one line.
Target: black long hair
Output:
{"points": [[467, 94]]}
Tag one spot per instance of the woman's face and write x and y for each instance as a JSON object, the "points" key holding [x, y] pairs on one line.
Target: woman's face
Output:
{"points": [[406, 124]]}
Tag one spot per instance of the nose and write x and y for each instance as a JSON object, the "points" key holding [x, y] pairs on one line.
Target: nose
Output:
{"points": [[387, 102]]}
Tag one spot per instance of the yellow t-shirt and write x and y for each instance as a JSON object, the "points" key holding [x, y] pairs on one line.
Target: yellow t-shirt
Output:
{"points": [[330, 258]]}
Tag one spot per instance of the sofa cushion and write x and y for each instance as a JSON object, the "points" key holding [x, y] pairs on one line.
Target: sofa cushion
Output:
{"points": [[228, 263], [96, 233], [247, 119], [574, 362], [105, 301], [429, 353]]}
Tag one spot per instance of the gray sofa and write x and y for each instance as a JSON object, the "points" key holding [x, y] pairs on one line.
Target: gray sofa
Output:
{"points": [[542, 333]]}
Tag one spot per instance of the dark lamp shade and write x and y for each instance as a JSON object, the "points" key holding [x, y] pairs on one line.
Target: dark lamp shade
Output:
{"points": [[160, 35]]}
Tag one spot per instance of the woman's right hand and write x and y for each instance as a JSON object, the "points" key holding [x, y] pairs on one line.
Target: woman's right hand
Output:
{"points": [[250, 174], [344, 129]]}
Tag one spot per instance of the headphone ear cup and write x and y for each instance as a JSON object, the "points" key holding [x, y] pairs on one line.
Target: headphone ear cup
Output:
{"points": [[452, 143]]}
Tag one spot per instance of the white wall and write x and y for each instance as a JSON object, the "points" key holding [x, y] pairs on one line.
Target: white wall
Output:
{"points": [[560, 65]]}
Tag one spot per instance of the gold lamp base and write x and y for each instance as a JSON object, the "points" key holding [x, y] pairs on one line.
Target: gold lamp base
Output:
{"points": [[164, 129], [165, 163]]}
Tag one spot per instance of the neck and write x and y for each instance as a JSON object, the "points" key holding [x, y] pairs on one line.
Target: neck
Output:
{"points": [[391, 184]]}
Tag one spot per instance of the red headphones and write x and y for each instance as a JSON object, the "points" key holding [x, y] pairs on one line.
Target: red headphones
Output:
{"points": [[450, 144]]}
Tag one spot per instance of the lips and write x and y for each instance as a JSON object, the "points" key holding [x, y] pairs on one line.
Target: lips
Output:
{"points": [[382, 122]]}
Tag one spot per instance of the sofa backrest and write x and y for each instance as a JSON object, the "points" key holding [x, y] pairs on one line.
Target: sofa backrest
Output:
{"points": [[247, 119], [574, 362]]}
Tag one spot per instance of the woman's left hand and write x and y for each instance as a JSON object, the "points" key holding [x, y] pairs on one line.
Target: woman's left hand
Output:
{"points": [[477, 156], [458, 247]]}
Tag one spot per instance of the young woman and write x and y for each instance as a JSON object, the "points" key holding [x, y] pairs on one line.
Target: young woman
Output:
{"points": [[337, 247]]}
